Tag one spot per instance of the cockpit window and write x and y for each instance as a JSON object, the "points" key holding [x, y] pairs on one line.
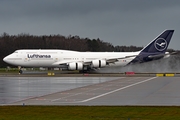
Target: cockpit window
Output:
{"points": [[16, 52]]}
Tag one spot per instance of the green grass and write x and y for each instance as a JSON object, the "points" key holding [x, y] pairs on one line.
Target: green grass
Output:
{"points": [[89, 113]]}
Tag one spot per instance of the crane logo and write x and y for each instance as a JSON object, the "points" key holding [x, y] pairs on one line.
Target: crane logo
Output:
{"points": [[160, 44]]}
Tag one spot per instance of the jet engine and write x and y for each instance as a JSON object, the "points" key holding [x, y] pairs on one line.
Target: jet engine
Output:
{"points": [[98, 63], [75, 66]]}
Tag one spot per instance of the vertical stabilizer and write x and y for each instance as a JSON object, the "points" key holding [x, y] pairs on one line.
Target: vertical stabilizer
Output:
{"points": [[160, 43]]}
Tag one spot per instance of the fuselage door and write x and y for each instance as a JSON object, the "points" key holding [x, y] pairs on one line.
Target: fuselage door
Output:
{"points": [[56, 58], [27, 57]]}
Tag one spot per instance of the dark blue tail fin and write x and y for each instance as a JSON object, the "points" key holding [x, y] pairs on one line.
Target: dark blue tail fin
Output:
{"points": [[160, 43]]}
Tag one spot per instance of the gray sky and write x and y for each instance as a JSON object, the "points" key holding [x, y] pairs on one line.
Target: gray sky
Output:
{"points": [[120, 22]]}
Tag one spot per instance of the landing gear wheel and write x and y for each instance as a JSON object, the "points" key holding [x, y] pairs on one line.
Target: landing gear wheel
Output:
{"points": [[20, 71], [83, 71]]}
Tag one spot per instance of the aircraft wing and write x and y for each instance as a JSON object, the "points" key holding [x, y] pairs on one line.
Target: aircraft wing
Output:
{"points": [[112, 60], [66, 62], [87, 63]]}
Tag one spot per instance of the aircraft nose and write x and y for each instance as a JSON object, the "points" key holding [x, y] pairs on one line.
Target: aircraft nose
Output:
{"points": [[10, 59], [5, 59]]}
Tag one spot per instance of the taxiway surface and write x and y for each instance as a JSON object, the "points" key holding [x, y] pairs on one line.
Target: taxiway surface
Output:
{"points": [[90, 91]]}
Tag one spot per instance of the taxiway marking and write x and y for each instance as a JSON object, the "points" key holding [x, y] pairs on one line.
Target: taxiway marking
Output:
{"points": [[108, 92]]}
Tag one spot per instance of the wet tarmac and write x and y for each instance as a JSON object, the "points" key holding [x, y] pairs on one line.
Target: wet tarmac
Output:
{"points": [[150, 91], [13, 89]]}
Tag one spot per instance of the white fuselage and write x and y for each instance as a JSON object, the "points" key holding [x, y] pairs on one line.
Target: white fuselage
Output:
{"points": [[55, 58]]}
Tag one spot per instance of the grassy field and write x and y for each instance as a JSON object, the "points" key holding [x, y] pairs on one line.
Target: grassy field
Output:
{"points": [[89, 113]]}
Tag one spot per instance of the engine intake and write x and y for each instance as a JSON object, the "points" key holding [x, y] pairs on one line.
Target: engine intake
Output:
{"points": [[98, 63], [75, 66]]}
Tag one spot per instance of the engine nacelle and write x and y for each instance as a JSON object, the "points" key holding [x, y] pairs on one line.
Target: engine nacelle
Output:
{"points": [[98, 63], [75, 66]]}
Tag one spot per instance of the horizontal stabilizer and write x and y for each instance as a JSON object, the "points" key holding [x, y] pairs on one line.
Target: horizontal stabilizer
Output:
{"points": [[162, 55], [156, 56]]}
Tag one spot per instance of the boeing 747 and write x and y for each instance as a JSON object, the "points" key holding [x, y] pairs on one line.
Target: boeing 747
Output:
{"points": [[86, 61]]}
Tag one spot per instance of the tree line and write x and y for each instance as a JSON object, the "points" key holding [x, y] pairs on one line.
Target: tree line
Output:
{"points": [[10, 43]]}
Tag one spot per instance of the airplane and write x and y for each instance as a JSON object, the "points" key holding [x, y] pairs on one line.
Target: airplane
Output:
{"points": [[87, 61]]}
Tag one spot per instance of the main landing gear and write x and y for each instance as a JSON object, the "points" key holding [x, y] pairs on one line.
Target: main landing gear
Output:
{"points": [[83, 71], [20, 71]]}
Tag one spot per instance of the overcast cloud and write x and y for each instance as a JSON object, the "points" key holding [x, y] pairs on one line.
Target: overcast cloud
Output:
{"points": [[120, 22]]}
